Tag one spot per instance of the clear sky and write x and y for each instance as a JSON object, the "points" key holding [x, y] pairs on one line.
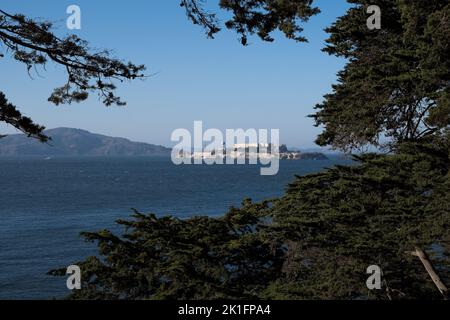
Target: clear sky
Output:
{"points": [[263, 85]]}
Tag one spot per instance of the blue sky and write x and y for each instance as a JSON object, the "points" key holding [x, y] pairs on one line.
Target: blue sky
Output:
{"points": [[263, 85]]}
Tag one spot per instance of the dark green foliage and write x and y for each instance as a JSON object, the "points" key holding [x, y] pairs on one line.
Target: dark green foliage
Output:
{"points": [[260, 17], [397, 80], [34, 44], [169, 258], [196, 13], [339, 222], [10, 115], [264, 17]]}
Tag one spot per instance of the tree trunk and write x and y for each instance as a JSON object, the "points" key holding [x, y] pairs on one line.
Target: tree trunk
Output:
{"points": [[429, 267]]}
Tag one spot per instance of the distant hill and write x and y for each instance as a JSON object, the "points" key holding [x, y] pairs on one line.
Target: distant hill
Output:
{"points": [[286, 154], [76, 142], [313, 156]]}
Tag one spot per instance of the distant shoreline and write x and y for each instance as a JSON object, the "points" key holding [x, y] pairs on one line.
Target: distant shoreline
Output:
{"points": [[70, 142]]}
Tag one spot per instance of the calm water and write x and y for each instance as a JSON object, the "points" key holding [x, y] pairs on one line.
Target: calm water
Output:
{"points": [[44, 204]]}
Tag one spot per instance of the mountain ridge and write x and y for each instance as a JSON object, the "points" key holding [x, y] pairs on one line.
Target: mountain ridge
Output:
{"points": [[77, 142]]}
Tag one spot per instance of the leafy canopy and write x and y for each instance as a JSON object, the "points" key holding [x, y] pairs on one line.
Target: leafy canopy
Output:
{"points": [[260, 17], [396, 81], [34, 44]]}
